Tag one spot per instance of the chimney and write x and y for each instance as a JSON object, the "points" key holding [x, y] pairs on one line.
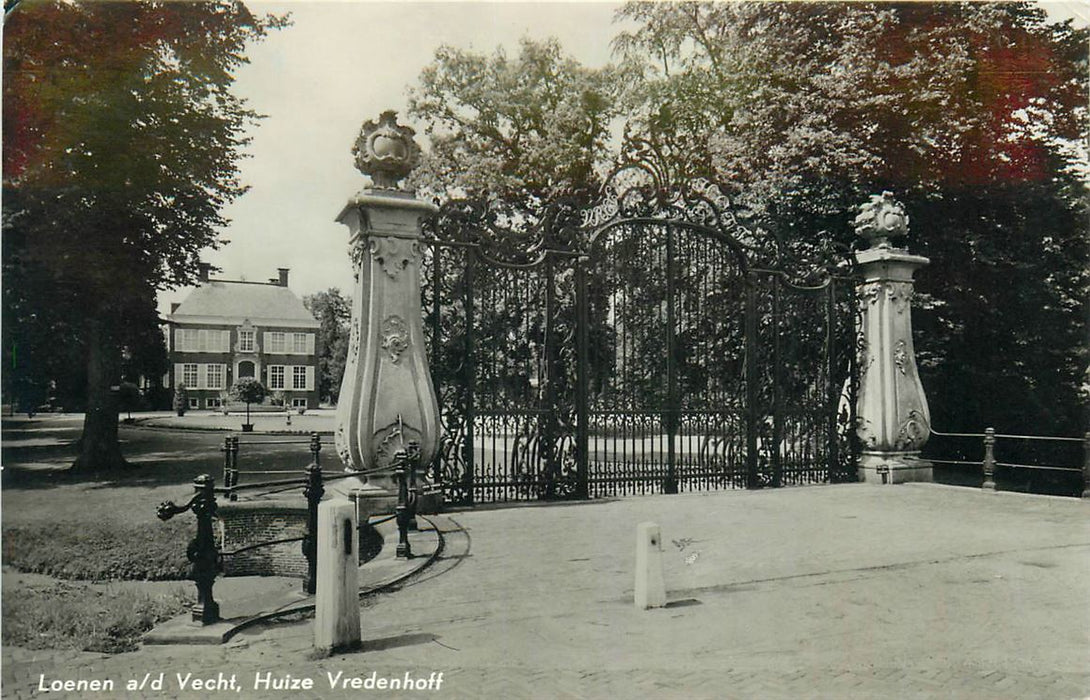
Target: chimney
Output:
{"points": [[283, 276], [174, 306], [204, 270]]}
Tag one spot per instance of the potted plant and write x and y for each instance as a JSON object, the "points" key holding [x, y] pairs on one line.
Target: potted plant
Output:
{"points": [[181, 399], [248, 390]]}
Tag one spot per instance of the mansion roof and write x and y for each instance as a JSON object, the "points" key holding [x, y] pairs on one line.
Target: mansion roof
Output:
{"points": [[232, 302]]}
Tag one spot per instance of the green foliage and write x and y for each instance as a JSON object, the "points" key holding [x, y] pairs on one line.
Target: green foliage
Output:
{"points": [[971, 113], [121, 141], [968, 112], [97, 551], [248, 390], [334, 311], [85, 618], [181, 398], [536, 123]]}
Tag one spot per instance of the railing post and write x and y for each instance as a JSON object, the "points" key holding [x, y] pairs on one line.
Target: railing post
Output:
{"points": [[401, 472], [315, 448], [232, 450], [226, 449], [1086, 465], [313, 491], [202, 553], [989, 460]]}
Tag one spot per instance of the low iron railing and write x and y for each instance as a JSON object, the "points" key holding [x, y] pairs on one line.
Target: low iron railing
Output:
{"points": [[206, 560], [994, 455]]}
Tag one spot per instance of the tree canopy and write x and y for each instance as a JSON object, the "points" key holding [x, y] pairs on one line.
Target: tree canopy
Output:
{"points": [[535, 124], [973, 114], [121, 145], [334, 311]]}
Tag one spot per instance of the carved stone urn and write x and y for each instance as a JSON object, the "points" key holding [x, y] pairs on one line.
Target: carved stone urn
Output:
{"points": [[894, 421], [387, 401]]}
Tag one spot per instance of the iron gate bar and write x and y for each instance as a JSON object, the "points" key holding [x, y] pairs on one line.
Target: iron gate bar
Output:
{"points": [[436, 339], [670, 419], [777, 390], [832, 395], [548, 445], [752, 480], [582, 409], [470, 380]]}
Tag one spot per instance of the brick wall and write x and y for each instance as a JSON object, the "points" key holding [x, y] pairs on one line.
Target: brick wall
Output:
{"points": [[243, 524]]}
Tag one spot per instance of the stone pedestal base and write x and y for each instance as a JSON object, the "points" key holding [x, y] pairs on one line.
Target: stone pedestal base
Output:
{"points": [[893, 468]]}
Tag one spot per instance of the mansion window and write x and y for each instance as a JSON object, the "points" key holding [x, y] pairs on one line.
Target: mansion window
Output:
{"points": [[213, 402], [276, 342], [276, 375], [201, 340], [298, 377], [201, 376], [299, 343], [298, 403], [245, 341], [214, 377]]}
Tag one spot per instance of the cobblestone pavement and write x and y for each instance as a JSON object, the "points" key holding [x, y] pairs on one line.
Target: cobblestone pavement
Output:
{"points": [[913, 591]]}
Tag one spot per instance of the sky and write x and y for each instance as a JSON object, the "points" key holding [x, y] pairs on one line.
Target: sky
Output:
{"points": [[340, 64]]}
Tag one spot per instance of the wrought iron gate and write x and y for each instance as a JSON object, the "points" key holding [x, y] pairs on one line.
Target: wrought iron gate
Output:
{"points": [[627, 345]]}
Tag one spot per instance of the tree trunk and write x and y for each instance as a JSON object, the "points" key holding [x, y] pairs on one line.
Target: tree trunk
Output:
{"points": [[100, 449]]}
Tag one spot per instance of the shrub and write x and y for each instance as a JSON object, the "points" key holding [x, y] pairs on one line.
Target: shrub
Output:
{"points": [[81, 616], [181, 399]]}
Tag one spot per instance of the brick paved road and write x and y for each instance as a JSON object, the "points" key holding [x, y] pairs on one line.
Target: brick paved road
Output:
{"points": [[839, 592]]}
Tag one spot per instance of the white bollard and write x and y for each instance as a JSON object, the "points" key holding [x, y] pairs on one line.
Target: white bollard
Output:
{"points": [[337, 596], [650, 588]]}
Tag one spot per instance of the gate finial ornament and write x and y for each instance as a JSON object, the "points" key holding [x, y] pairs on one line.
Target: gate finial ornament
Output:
{"points": [[880, 219], [386, 151]]}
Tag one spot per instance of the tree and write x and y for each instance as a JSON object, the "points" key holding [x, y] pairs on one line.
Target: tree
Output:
{"points": [[535, 124], [968, 112], [248, 390], [334, 311], [121, 141]]}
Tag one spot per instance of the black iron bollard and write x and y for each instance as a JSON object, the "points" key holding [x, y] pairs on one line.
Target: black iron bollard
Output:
{"points": [[402, 511], [313, 491], [315, 448], [233, 452], [202, 553], [989, 460]]}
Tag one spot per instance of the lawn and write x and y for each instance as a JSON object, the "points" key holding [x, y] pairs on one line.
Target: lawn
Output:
{"points": [[85, 529]]}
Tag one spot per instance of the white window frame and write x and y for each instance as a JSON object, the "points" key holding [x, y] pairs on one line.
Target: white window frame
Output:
{"points": [[299, 343], [244, 335], [299, 403], [194, 403], [186, 374], [299, 378], [222, 372], [274, 375], [277, 342], [213, 402]]}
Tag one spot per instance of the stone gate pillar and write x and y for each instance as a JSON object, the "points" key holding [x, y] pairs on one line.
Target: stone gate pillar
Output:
{"points": [[387, 402], [894, 422]]}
